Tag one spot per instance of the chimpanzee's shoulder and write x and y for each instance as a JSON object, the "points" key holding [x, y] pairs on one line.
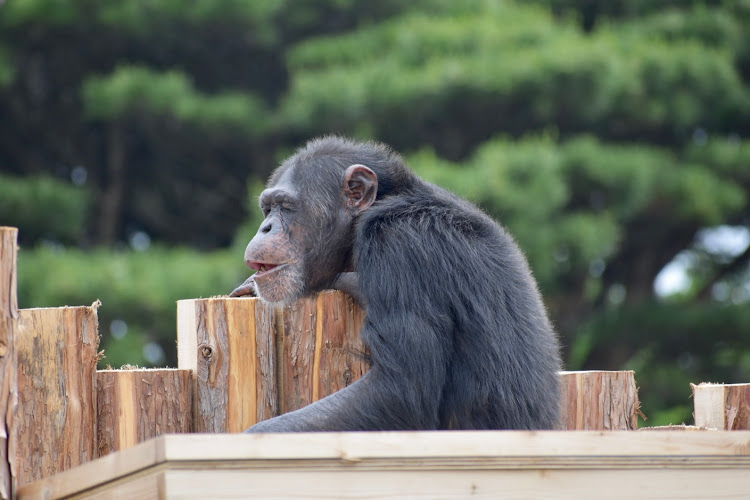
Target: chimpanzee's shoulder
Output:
{"points": [[427, 210]]}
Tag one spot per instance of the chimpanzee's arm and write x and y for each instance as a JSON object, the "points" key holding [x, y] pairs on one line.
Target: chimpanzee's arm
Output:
{"points": [[349, 283], [403, 393]]}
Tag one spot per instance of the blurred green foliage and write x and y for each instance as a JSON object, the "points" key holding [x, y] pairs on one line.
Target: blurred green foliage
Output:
{"points": [[139, 289], [611, 138], [136, 89], [44, 207]]}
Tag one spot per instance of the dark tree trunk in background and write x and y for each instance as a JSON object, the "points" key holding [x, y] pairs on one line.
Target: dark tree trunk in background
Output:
{"points": [[113, 191]]}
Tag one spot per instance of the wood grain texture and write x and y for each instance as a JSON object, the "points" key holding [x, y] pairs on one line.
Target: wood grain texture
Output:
{"points": [[136, 405], [599, 400], [484, 464], [8, 369], [243, 351], [234, 381], [321, 350], [55, 426], [722, 406], [342, 352]]}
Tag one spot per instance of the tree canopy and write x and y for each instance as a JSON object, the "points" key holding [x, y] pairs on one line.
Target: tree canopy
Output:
{"points": [[611, 138]]}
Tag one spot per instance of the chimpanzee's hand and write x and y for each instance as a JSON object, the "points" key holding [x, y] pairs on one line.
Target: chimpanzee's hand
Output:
{"points": [[247, 288]]}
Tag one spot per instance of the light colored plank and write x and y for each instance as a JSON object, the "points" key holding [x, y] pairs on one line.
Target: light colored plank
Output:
{"points": [[563, 484], [102, 472], [441, 444], [55, 425], [8, 367], [585, 464]]}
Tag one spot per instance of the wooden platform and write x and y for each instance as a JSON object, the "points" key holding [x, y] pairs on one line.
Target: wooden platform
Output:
{"points": [[498, 465]]}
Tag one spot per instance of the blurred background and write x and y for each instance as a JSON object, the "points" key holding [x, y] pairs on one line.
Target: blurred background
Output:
{"points": [[612, 138]]}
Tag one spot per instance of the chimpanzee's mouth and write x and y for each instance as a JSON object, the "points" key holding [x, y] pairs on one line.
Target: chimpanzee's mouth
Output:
{"points": [[265, 268]]}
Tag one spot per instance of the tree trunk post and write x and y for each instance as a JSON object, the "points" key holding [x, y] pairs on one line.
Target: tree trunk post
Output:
{"points": [[722, 406], [599, 400], [139, 404], [55, 424], [8, 369]]}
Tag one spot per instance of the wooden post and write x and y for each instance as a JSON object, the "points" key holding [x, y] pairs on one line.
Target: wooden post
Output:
{"points": [[55, 426], [309, 349], [722, 406], [234, 375], [599, 400], [139, 404], [8, 374], [321, 350]]}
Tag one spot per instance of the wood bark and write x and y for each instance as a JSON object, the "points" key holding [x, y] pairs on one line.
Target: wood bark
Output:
{"points": [[8, 373], [139, 404], [234, 375], [722, 406], [599, 400], [55, 426], [321, 350], [273, 362]]}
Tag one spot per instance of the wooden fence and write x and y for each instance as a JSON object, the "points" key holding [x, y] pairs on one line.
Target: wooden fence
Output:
{"points": [[240, 362]]}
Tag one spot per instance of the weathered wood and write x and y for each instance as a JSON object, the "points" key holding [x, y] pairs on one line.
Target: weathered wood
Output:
{"points": [[309, 349], [234, 381], [55, 426], [140, 404], [599, 400], [321, 350], [481, 464], [8, 374], [722, 406]]}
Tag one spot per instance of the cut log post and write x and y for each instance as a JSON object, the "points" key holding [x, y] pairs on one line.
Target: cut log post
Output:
{"points": [[599, 400], [242, 351], [321, 350], [234, 374], [253, 363], [139, 404], [55, 425], [8, 374], [722, 406]]}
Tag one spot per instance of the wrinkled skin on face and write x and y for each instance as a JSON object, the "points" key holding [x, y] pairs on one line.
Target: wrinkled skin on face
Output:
{"points": [[305, 242]]}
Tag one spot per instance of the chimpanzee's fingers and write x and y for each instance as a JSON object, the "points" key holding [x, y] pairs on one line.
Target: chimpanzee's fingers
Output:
{"points": [[246, 288]]}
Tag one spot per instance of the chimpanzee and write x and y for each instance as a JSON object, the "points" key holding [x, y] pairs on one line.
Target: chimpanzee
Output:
{"points": [[458, 335]]}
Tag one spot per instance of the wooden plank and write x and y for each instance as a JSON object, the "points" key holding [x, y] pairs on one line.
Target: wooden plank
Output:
{"points": [[234, 381], [8, 373], [494, 484], [139, 404], [55, 426], [722, 406], [599, 400], [516, 464], [104, 473]]}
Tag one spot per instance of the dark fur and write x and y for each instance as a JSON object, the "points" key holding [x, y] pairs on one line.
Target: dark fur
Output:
{"points": [[457, 330]]}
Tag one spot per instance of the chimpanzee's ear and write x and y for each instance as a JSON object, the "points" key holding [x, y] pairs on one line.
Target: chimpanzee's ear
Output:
{"points": [[360, 187]]}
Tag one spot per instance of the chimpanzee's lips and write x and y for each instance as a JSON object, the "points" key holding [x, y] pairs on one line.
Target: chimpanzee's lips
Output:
{"points": [[265, 268]]}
